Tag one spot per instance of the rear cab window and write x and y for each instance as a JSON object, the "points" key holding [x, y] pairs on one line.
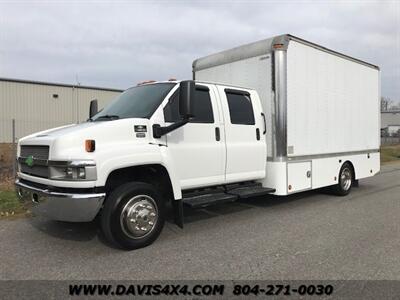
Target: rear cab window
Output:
{"points": [[240, 107]]}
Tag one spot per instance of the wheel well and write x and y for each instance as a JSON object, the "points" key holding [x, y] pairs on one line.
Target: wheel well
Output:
{"points": [[154, 174], [352, 168]]}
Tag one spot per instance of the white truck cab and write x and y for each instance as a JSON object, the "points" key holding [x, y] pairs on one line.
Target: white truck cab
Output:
{"points": [[250, 125]]}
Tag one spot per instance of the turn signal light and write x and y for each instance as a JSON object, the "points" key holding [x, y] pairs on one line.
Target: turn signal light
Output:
{"points": [[90, 145]]}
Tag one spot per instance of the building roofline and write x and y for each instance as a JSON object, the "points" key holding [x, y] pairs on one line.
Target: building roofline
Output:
{"points": [[59, 84]]}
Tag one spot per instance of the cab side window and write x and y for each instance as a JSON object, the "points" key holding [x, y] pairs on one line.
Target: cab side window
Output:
{"points": [[240, 107], [202, 107]]}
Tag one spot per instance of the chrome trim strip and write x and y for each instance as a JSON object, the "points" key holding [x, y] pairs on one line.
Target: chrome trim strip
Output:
{"points": [[326, 155], [58, 163], [72, 163], [280, 104], [57, 194], [306, 157]]}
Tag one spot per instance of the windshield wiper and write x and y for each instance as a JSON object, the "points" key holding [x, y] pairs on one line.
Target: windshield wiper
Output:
{"points": [[107, 117]]}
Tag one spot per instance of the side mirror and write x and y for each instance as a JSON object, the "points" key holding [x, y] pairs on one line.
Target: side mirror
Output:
{"points": [[186, 97], [93, 109]]}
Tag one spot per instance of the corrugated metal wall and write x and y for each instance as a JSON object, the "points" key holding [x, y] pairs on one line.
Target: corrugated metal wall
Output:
{"points": [[390, 118], [34, 108]]}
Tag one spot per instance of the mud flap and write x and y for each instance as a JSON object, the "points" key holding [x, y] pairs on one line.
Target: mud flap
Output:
{"points": [[177, 206]]}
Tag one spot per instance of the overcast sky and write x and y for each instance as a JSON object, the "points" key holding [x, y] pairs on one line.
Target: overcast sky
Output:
{"points": [[117, 44]]}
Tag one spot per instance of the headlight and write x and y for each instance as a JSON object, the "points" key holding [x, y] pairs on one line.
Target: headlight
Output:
{"points": [[73, 170], [69, 173]]}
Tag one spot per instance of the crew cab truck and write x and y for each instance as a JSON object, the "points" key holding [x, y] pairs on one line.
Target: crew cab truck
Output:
{"points": [[278, 116]]}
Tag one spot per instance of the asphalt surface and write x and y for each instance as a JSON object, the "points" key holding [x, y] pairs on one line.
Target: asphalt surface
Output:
{"points": [[311, 235]]}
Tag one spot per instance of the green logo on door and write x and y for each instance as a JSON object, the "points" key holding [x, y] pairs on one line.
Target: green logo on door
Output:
{"points": [[29, 161]]}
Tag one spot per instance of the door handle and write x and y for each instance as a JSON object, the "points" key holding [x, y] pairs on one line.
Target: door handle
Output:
{"points": [[265, 123], [217, 134], [258, 134]]}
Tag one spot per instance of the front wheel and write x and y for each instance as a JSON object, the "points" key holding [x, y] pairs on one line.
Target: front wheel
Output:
{"points": [[345, 181], [133, 215]]}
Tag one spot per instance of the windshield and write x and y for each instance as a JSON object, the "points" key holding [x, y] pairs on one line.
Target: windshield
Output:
{"points": [[136, 102]]}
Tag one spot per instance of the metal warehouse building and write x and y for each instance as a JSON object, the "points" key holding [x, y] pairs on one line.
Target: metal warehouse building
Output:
{"points": [[38, 105], [390, 122]]}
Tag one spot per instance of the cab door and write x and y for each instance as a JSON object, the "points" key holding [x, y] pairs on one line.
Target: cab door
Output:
{"points": [[197, 148], [244, 134]]}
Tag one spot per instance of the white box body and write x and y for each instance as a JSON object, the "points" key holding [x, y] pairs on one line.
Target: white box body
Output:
{"points": [[322, 108]]}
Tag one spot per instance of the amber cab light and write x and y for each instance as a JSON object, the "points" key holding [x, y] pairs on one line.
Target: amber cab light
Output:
{"points": [[90, 145], [278, 46], [145, 82]]}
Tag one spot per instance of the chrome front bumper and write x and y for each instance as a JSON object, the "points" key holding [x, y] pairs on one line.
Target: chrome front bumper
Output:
{"points": [[60, 206]]}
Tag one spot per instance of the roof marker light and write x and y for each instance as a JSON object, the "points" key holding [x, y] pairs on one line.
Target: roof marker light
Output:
{"points": [[278, 46], [145, 82]]}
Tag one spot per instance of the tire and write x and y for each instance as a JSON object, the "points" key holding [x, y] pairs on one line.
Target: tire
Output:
{"points": [[133, 215], [345, 180]]}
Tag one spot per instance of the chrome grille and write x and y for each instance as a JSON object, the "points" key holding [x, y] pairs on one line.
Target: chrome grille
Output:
{"points": [[41, 152], [40, 156]]}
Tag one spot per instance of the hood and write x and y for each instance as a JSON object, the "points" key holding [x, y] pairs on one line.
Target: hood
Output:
{"points": [[69, 141]]}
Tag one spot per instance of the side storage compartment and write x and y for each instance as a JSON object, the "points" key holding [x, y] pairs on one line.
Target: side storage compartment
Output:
{"points": [[299, 176]]}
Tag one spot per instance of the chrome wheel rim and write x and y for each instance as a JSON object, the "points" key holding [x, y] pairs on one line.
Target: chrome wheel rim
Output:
{"points": [[139, 216], [345, 179]]}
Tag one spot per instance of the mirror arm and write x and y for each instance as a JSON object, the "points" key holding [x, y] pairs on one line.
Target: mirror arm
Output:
{"points": [[159, 131]]}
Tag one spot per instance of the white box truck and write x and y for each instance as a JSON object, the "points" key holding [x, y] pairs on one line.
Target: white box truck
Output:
{"points": [[278, 116]]}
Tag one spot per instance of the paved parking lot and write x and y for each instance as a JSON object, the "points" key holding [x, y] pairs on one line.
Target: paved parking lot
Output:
{"points": [[306, 236]]}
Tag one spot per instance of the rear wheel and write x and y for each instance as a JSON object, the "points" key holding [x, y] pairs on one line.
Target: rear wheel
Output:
{"points": [[345, 182], [133, 215]]}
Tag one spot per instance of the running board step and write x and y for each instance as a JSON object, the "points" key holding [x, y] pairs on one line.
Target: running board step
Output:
{"points": [[233, 194], [209, 199], [221, 194], [250, 191]]}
